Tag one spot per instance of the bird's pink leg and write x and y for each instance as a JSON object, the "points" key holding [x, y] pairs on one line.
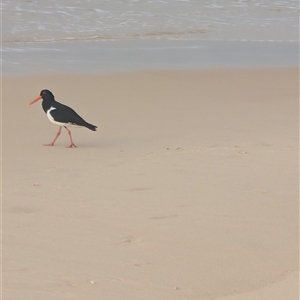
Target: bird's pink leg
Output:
{"points": [[57, 135], [72, 143]]}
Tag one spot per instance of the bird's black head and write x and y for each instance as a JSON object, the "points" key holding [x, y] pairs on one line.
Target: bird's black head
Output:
{"points": [[46, 94]]}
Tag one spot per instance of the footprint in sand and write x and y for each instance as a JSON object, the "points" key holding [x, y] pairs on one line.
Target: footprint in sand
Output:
{"points": [[128, 240], [139, 189], [164, 217], [23, 210]]}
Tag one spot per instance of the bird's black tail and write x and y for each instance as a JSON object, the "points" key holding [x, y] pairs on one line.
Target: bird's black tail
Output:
{"points": [[90, 126]]}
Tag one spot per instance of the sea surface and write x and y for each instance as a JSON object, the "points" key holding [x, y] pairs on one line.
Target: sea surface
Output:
{"points": [[56, 20], [111, 35]]}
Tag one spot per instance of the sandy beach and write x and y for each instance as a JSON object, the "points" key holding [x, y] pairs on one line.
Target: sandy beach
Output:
{"points": [[188, 190]]}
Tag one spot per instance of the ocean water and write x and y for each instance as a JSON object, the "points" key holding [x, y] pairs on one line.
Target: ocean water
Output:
{"points": [[89, 36], [60, 20]]}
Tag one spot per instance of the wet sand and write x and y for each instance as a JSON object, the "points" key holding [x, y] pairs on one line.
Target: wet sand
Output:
{"points": [[139, 55], [188, 190]]}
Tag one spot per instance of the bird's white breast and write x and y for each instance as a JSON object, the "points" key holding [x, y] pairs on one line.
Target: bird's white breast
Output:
{"points": [[52, 119]]}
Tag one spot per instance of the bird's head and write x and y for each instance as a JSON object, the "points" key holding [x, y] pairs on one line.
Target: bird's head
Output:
{"points": [[44, 94]]}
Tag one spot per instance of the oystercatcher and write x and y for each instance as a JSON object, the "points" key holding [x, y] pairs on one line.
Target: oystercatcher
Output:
{"points": [[61, 115]]}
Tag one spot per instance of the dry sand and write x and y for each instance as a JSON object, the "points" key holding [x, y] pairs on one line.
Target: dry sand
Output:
{"points": [[188, 190]]}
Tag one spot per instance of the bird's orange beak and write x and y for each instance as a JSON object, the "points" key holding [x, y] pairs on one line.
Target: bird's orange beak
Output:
{"points": [[35, 100]]}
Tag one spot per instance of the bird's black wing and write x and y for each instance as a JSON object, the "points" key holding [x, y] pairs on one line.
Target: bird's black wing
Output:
{"points": [[66, 114]]}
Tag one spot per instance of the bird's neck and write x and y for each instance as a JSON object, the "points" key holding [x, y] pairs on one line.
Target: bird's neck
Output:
{"points": [[47, 103]]}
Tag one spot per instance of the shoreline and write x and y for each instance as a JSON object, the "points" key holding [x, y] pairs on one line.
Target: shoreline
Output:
{"points": [[99, 57]]}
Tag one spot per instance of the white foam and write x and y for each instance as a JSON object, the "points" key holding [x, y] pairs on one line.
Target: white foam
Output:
{"points": [[115, 19]]}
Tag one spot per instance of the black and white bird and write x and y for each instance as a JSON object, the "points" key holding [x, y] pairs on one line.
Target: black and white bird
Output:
{"points": [[61, 115]]}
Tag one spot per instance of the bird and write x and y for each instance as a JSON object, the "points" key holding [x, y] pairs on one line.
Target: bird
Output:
{"points": [[61, 115]]}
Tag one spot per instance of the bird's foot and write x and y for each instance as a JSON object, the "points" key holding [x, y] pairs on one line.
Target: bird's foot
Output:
{"points": [[72, 145], [51, 144]]}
